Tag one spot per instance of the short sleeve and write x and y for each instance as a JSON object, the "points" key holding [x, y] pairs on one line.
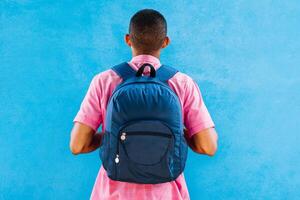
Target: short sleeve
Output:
{"points": [[90, 108], [196, 115]]}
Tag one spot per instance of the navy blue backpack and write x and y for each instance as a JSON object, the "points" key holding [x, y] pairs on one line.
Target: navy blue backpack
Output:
{"points": [[144, 140]]}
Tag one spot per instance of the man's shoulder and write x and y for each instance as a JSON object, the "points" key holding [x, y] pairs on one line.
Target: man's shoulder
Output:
{"points": [[182, 84], [109, 73], [182, 78], [105, 79], [106, 74]]}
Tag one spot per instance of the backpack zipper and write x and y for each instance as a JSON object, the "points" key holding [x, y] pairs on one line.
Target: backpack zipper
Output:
{"points": [[146, 133], [122, 138]]}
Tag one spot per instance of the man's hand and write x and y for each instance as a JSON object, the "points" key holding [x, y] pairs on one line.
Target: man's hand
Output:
{"points": [[84, 139], [203, 142]]}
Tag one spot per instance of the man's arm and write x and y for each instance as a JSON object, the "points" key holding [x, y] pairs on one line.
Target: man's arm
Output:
{"points": [[203, 142], [84, 139]]}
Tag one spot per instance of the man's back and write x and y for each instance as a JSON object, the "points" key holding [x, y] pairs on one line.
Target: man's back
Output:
{"points": [[93, 111]]}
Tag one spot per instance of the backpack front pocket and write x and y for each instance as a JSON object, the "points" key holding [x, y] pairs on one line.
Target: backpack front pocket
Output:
{"points": [[145, 147], [143, 152]]}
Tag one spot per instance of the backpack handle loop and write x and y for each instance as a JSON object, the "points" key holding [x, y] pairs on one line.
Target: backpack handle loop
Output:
{"points": [[141, 70]]}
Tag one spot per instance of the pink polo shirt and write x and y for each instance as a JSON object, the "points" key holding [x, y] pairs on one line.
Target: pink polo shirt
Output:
{"points": [[92, 113]]}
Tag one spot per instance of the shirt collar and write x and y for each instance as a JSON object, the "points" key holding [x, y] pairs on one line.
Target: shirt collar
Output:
{"points": [[146, 58]]}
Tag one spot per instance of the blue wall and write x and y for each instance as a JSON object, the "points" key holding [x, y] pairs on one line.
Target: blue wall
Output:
{"points": [[243, 54]]}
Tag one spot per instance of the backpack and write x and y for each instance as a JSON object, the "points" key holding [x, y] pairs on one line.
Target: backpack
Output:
{"points": [[143, 141]]}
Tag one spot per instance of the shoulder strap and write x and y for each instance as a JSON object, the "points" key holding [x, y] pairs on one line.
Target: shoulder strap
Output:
{"points": [[164, 73], [124, 70]]}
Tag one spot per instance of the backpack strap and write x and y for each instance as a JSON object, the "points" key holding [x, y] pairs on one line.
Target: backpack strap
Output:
{"points": [[165, 72], [124, 70]]}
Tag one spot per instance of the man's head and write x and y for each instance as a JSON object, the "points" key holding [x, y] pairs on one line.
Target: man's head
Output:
{"points": [[147, 32]]}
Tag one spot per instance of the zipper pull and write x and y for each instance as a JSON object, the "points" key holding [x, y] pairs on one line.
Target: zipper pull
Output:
{"points": [[123, 136], [117, 160]]}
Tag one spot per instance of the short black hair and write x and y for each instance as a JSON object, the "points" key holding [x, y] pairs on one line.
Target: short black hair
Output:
{"points": [[147, 30]]}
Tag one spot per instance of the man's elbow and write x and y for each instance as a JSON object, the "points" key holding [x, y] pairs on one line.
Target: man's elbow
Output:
{"points": [[209, 150], [75, 149]]}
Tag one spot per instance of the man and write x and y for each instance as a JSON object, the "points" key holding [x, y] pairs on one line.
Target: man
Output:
{"points": [[147, 37]]}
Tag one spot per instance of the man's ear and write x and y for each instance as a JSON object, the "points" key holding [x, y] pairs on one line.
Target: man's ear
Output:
{"points": [[127, 40], [166, 42]]}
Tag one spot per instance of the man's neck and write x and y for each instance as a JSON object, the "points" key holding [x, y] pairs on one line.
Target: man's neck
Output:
{"points": [[155, 54]]}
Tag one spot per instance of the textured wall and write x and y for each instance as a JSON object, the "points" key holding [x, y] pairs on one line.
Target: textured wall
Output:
{"points": [[243, 54]]}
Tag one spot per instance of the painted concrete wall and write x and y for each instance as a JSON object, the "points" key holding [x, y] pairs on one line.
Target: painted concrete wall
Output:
{"points": [[243, 54]]}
